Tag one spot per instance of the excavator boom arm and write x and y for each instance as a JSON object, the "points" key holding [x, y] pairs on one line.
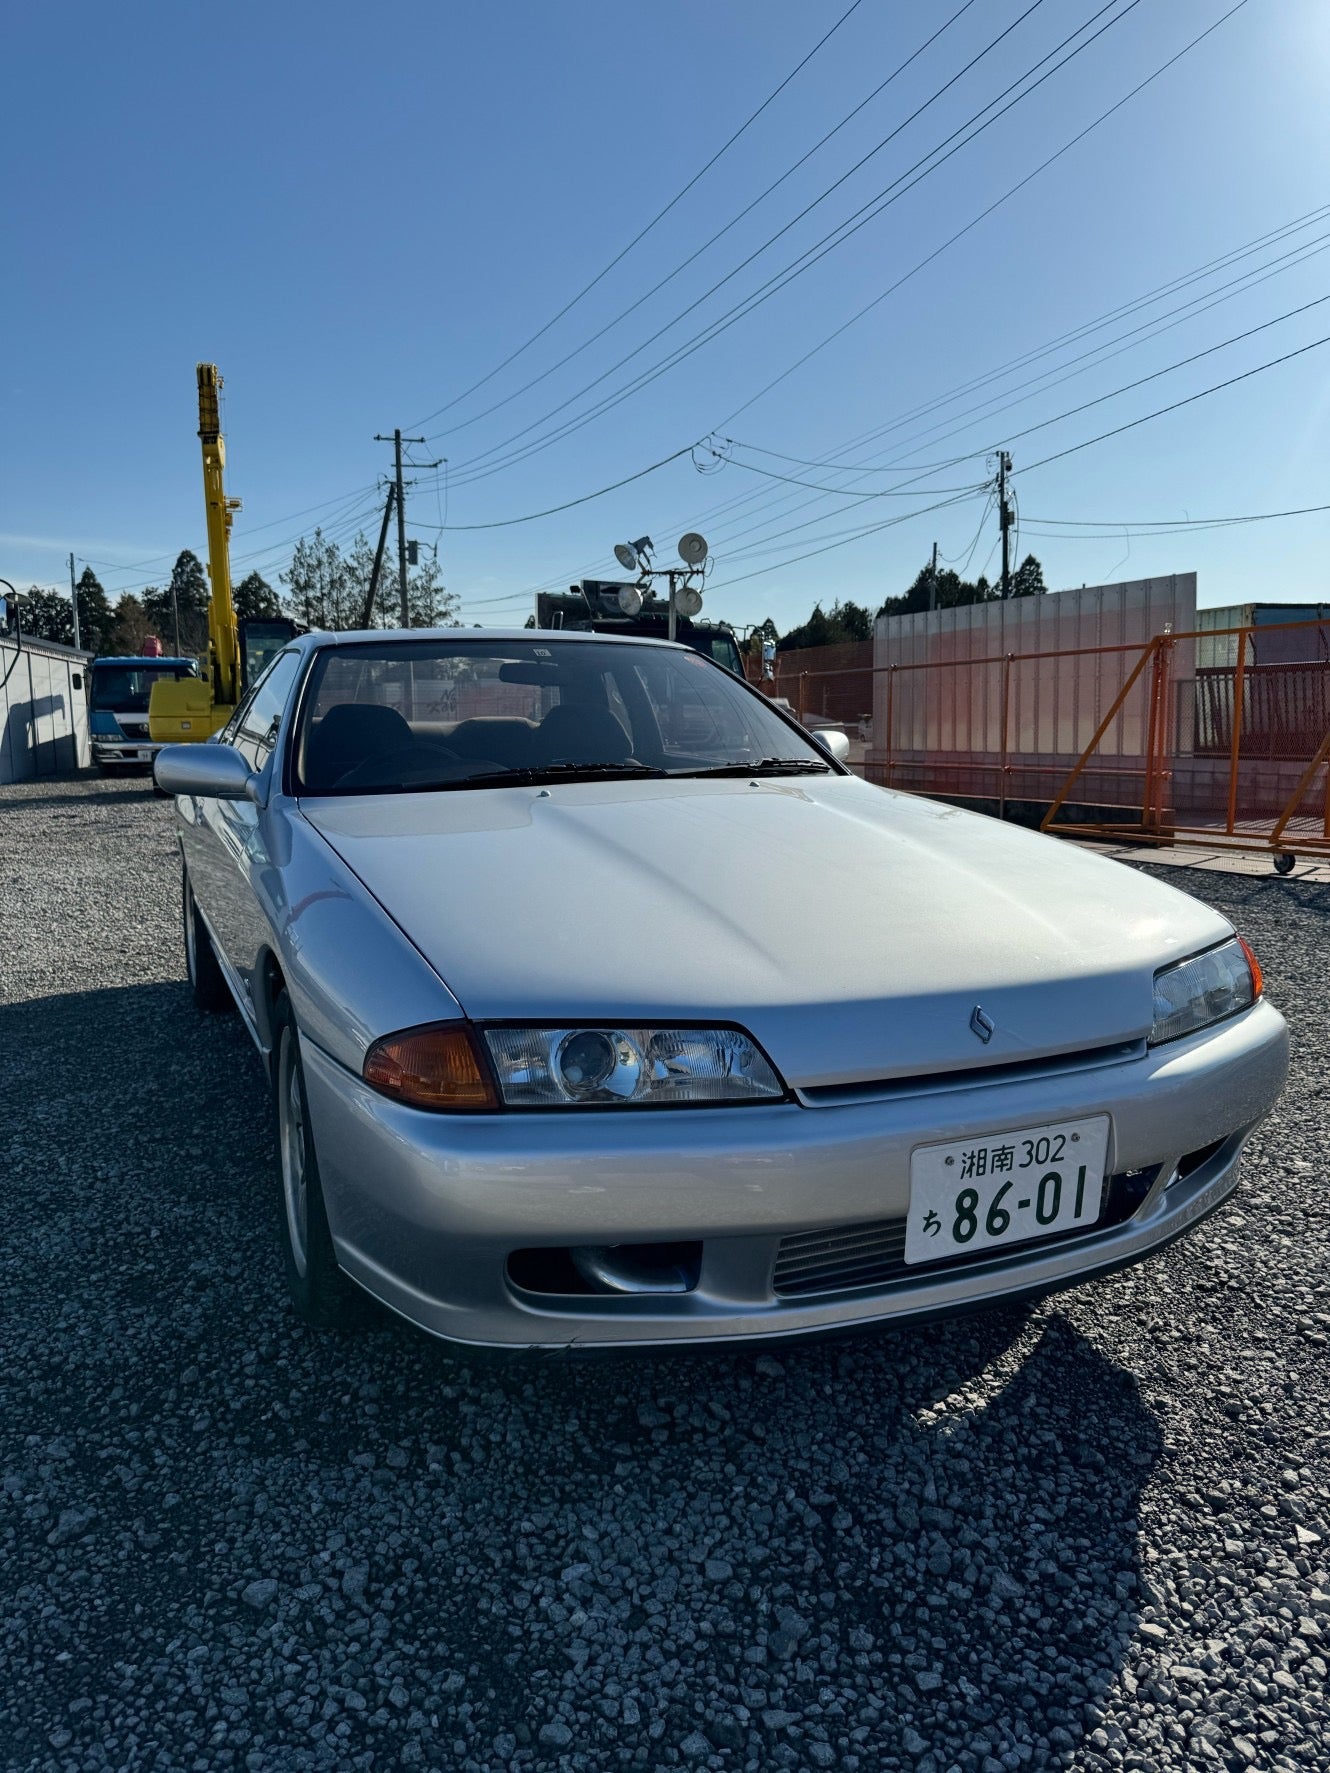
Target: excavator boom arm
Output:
{"points": [[223, 630]]}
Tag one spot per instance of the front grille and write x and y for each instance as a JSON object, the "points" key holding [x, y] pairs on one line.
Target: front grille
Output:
{"points": [[842, 1259], [832, 1261]]}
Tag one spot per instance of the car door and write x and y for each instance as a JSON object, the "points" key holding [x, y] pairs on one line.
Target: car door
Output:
{"points": [[232, 833]]}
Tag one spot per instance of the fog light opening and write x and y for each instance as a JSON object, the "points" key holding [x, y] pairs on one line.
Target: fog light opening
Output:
{"points": [[606, 1270]]}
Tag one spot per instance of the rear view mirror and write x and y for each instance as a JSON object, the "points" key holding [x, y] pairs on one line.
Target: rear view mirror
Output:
{"points": [[213, 772], [835, 742]]}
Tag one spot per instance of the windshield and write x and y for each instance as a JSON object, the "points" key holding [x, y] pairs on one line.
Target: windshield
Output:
{"points": [[124, 689], [469, 713]]}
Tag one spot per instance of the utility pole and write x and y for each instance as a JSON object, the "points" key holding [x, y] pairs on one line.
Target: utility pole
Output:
{"points": [[397, 440], [74, 599], [1004, 520], [367, 617], [932, 581]]}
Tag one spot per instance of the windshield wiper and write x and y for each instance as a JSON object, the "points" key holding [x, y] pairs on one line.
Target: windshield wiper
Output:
{"points": [[765, 766], [559, 772]]}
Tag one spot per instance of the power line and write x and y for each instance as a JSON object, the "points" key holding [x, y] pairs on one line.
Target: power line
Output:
{"points": [[480, 468], [845, 492], [862, 470], [1165, 525], [985, 213], [586, 498], [706, 245], [1087, 443], [1084, 406], [659, 217]]}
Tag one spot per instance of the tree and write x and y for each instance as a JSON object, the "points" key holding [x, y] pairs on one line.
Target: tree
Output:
{"points": [[319, 585], [96, 619], [845, 622], [255, 598], [429, 602], [189, 584], [1028, 579], [131, 626], [47, 615]]}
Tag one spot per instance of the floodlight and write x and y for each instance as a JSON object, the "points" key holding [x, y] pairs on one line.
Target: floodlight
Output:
{"points": [[626, 555], [692, 548], [688, 600], [643, 545], [630, 600]]}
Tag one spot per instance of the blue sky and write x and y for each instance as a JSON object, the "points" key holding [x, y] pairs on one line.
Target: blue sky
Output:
{"points": [[358, 214]]}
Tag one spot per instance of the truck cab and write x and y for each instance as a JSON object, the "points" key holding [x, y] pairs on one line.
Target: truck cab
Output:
{"points": [[118, 693], [593, 608]]}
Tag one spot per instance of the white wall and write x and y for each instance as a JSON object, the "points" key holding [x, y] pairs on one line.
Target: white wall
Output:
{"points": [[43, 711]]}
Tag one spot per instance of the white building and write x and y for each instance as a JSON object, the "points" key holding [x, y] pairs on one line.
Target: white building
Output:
{"points": [[43, 709]]}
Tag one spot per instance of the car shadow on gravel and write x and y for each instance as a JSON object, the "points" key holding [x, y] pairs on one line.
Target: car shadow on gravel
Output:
{"points": [[917, 1549]]}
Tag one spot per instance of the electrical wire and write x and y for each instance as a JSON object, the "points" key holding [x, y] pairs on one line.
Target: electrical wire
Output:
{"points": [[1086, 443], [642, 233], [480, 467], [1099, 400], [842, 492], [984, 213], [706, 245], [586, 498], [1163, 525]]}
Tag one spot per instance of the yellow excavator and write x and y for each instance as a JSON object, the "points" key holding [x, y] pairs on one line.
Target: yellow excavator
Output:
{"points": [[194, 708]]}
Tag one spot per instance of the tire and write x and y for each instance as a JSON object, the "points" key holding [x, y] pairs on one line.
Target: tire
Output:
{"points": [[320, 1292], [211, 992]]}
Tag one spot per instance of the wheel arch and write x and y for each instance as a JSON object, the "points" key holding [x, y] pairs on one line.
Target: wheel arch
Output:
{"points": [[271, 983]]}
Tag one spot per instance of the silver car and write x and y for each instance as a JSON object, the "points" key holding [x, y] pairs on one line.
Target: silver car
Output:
{"points": [[603, 1006]]}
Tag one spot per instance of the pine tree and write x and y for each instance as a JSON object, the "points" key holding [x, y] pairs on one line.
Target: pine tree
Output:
{"points": [[255, 598], [96, 619], [47, 615], [189, 583], [1028, 579], [429, 602], [319, 586], [130, 627]]}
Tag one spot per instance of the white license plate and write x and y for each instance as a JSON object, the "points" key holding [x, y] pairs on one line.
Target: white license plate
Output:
{"points": [[1005, 1188]]}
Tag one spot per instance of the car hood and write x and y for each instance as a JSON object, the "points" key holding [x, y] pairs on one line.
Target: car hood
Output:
{"points": [[852, 931]]}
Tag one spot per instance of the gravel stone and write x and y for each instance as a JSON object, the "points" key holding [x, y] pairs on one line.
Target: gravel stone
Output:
{"points": [[1088, 1533]]}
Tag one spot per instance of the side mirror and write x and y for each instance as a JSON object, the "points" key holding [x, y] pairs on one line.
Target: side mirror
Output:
{"points": [[833, 741], [213, 772]]}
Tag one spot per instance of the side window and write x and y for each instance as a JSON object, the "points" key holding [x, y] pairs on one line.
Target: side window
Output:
{"points": [[258, 720]]}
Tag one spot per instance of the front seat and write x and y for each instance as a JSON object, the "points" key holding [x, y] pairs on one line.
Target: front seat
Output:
{"points": [[575, 732], [349, 734]]}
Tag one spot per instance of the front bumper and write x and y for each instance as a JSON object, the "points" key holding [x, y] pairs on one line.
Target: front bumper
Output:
{"points": [[123, 750], [426, 1209]]}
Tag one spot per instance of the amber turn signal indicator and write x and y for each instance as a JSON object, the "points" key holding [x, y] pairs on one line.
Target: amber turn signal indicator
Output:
{"points": [[437, 1068], [1257, 977]]}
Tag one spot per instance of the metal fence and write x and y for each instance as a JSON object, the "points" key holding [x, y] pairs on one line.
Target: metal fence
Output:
{"points": [[1131, 740]]}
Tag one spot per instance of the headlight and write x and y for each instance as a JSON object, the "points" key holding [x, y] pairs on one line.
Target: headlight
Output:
{"points": [[1206, 988], [629, 1067]]}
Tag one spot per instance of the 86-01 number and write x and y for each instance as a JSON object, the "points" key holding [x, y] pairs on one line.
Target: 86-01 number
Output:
{"points": [[1005, 1188], [1046, 1200]]}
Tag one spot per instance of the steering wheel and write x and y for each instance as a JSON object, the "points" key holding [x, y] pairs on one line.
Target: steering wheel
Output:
{"points": [[372, 770]]}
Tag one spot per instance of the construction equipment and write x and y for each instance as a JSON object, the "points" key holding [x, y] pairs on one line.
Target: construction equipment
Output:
{"points": [[185, 709]]}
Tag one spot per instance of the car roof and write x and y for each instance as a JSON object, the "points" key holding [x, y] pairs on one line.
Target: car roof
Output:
{"points": [[559, 636]]}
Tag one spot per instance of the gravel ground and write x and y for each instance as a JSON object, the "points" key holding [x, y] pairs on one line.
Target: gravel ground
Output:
{"points": [[1090, 1535]]}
